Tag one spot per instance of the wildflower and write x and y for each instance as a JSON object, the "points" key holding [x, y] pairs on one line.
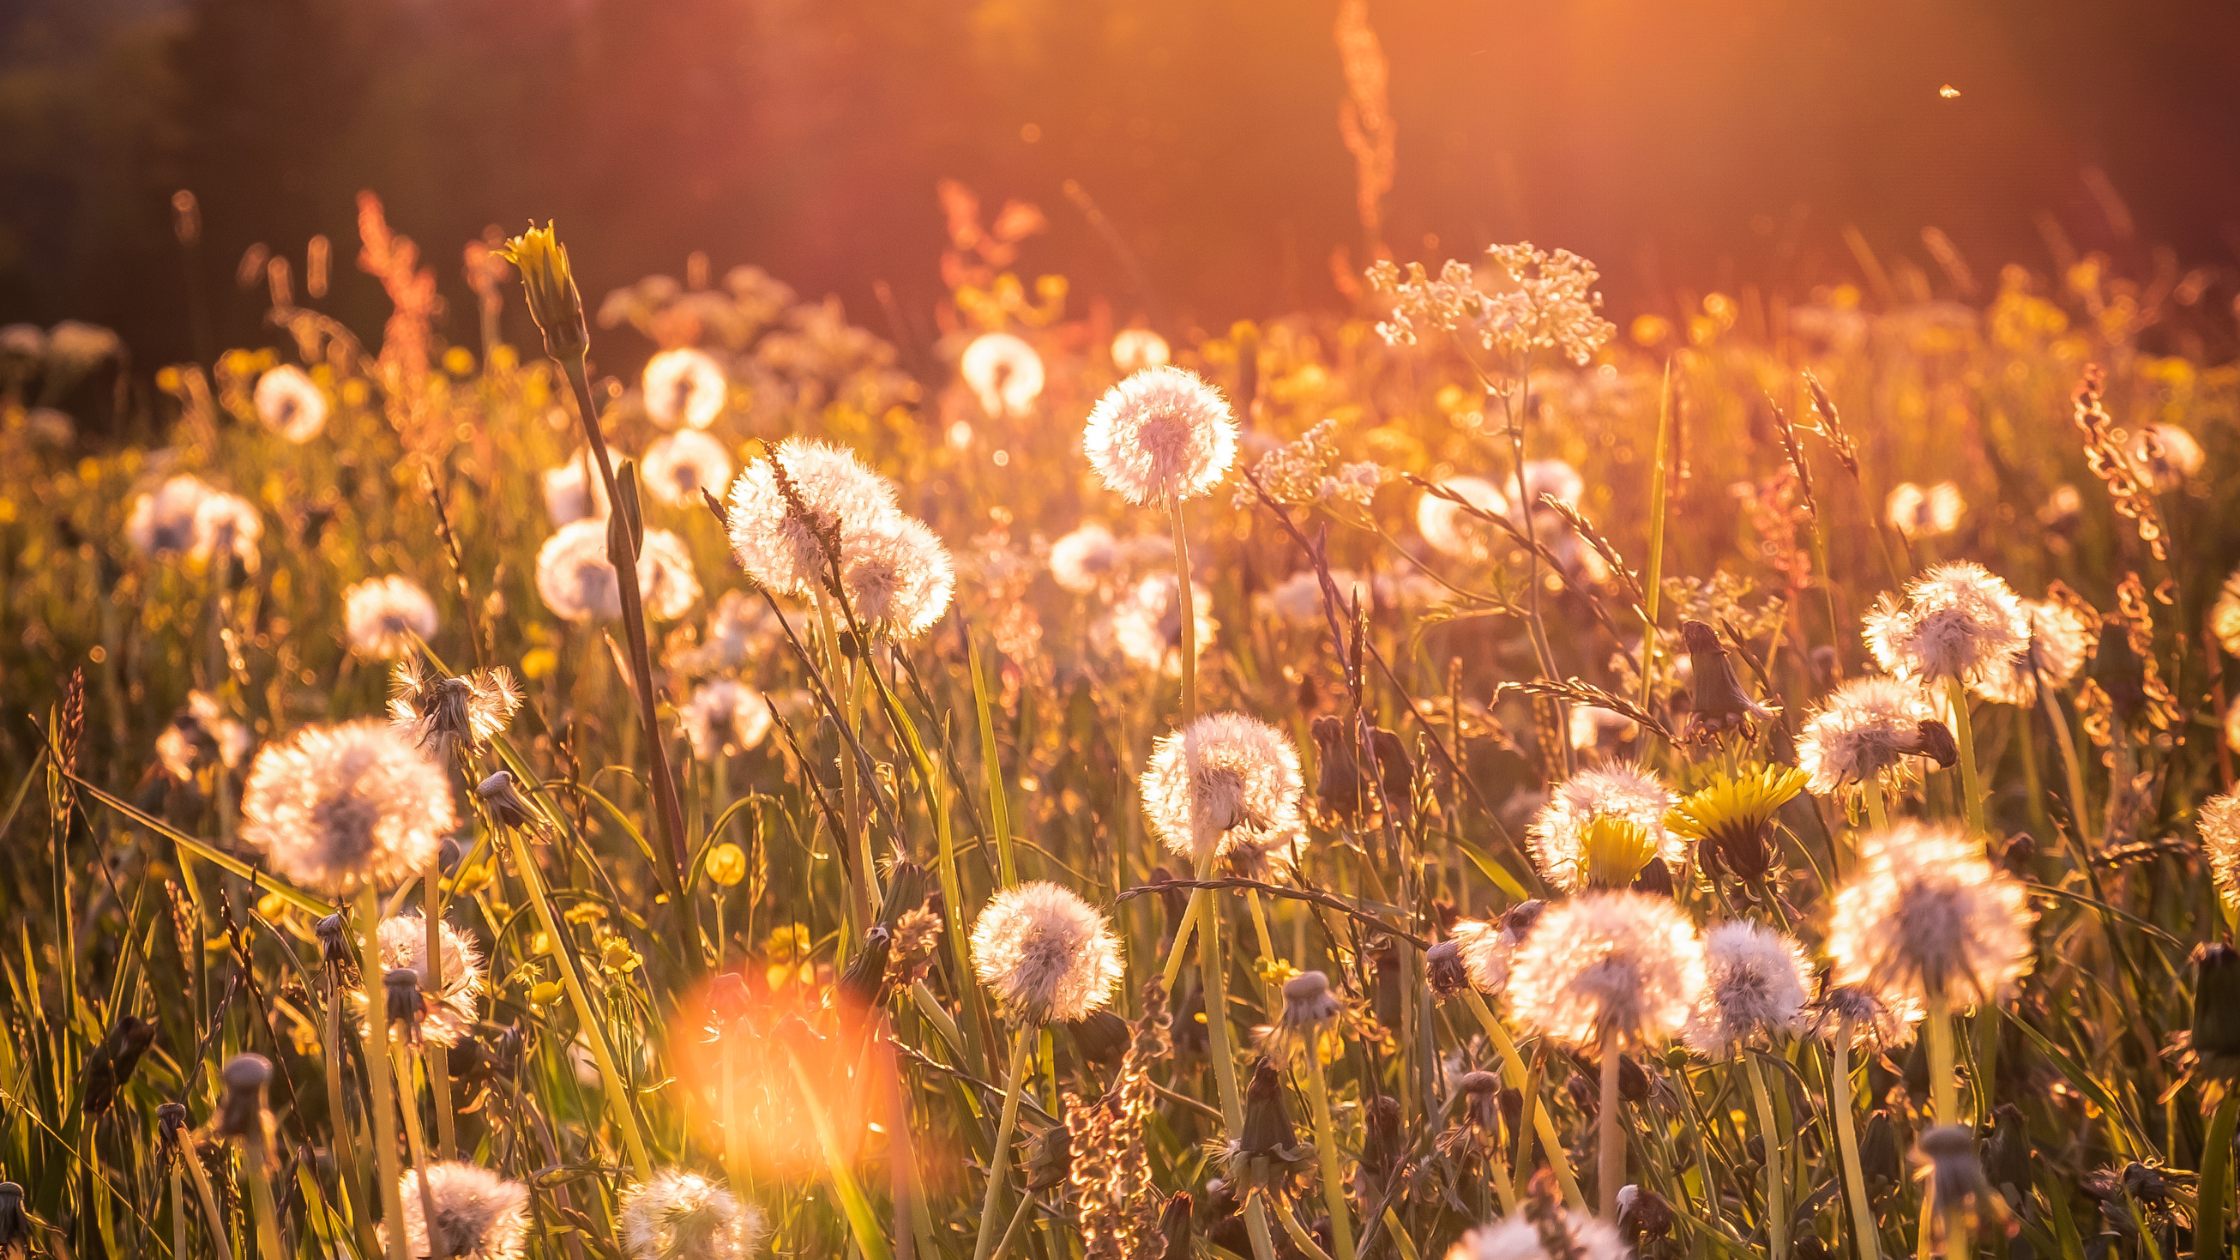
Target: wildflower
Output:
{"points": [[290, 404], [1884, 1019], [1601, 827], [1146, 624], [897, 575], [1605, 965], [1266, 1152], [504, 801], [226, 526], [577, 582], [1223, 778], [381, 617], [1452, 531], [2059, 639], [551, 286], [723, 718], [162, 523], [479, 1215], [1297, 600], [1004, 372], [575, 491], [1924, 512], [1045, 954], [683, 387], [338, 808], [450, 1018], [1866, 730], [2218, 819], [788, 534], [1581, 1237], [443, 714], [1309, 1010], [1488, 947], [682, 1216], [201, 736], [1134, 349], [1958, 621], [1925, 911], [1161, 434], [2165, 455], [1728, 820], [1754, 987], [683, 464], [1551, 304], [1086, 559]]}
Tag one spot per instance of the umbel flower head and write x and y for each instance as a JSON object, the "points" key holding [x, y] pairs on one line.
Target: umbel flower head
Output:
{"points": [[1608, 964], [1223, 779], [1866, 730], [898, 576], [478, 1215], [339, 808], [452, 1009], [1003, 372], [684, 1216], [724, 717], [1045, 954], [1602, 826], [381, 616], [682, 464], [290, 403], [1161, 434], [1754, 986], [444, 714], [795, 514], [2060, 636], [1533, 300], [551, 284], [1958, 621], [1924, 913], [683, 387]]}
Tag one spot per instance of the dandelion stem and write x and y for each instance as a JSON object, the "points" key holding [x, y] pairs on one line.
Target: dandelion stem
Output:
{"points": [[370, 975], [438, 1065], [221, 1243], [1513, 1071], [1944, 1090], [2216, 1177], [1847, 1143], [257, 1162], [1215, 981], [1187, 601], [349, 1156], [415, 1141], [1326, 1148], [2072, 770], [1610, 1171], [1011, 1232], [1878, 810], [1963, 730], [179, 1211], [1198, 899], [1777, 1216], [999, 1156]]}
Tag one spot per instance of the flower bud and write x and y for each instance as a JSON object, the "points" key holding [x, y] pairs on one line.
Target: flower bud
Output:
{"points": [[245, 1077], [551, 284], [505, 802], [406, 1004], [1442, 966], [334, 941]]}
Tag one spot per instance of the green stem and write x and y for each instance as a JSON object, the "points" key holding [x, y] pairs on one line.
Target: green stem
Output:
{"points": [[415, 1141], [1190, 913], [257, 1162], [1655, 575], [1777, 1215], [1213, 975], [349, 1155], [1012, 1231], [382, 1104], [2216, 1178], [1944, 1090], [2071, 769], [999, 1158], [1847, 1142], [179, 1212], [1187, 601], [438, 1063], [1610, 1171], [1326, 1146], [1963, 730], [1878, 810], [1513, 1071], [1300, 1238]]}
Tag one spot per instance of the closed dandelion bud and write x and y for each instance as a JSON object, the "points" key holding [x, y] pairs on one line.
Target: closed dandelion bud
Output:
{"points": [[1384, 1141], [906, 891], [401, 990], [1266, 1151], [1049, 1159], [245, 1077], [334, 941], [863, 982], [171, 1121], [15, 1224], [2215, 1035], [1643, 1214], [1879, 1158], [2118, 669], [1443, 968], [504, 801], [2020, 854], [1481, 1101], [1810, 1247], [550, 282], [1309, 1009], [1962, 1197], [1655, 878], [1103, 1037], [1175, 1224], [113, 1062], [1714, 691], [1937, 743]]}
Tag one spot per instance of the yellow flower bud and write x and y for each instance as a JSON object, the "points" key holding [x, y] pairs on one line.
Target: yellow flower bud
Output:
{"points": [[553, 300], [727, 864]]}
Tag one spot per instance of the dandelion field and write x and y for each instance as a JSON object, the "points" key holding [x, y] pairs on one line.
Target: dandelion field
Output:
{"points": [[1464, 778]]}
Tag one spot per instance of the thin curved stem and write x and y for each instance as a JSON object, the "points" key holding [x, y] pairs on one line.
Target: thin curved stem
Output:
{"points": [[1777, 1215], [999, 1159], [1186, 598], [1610, 1171], [1847, 1143], [1326, 1148], [1963, 731], [381, 1104], [1513, 1071]]}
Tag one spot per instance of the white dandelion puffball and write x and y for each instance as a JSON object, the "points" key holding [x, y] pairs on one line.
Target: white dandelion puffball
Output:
{"points": [[1755, 984], [1161, 434], [201, 735], [1223, 780], [1088, 558], [724, 717], [1004, 372], [683, 387], [782, 549], [1925, 913], [682, 464], [226, 526], [1134, 349], [1519, 1238], [1924, 512], [741, 626], [381, 615], [2219, 822], [1297, 600], [1487, 948], [2060, 637], [1450, 530], [1559, 832], [290, 403], [339, 808], [665, 576], [1608, 964], [455, 1006], [1146, 624], [1045, 954], [444, 714], [162, 523], [577, 583], [1866, 729], [1958, 621], [479, 1215], [897, 575], [683, 1216], [575, 491], [1553, 478]]}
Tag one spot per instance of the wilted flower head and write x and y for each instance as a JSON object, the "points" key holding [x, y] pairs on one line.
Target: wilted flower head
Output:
{"points": [[1887, 1020], [1146, 623], [443, 714], [897, 575], [337, 808], [682, 464], [454, 1007], [479, 1215], [1134, 349], [838, 499], [1163, 433], [2219, 822], [2059, 638], [1045, 954], [2165, 455], [226, 526], [683, 1216], [290, 404], [1867, 728], [575, 491], [683, 386], [162, 523], [1925, 913], [1601, 826], [1519, 1237], [1223, 778], [578, 584], [1924, 512], [382, 615], [1086, 559], [724, 717], [1004, 372], [199, 736], [1309, 1007], [1454, 532], [1607, 964], [1958, 621], [1754, 986]]}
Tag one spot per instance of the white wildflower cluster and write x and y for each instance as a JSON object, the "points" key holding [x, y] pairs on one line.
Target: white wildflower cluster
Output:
{"points": [[1307, 472], [1535, 300]]}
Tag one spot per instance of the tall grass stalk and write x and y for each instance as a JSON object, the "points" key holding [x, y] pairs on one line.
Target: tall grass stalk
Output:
{"points": [[2216, 1176], [1654, 576]]}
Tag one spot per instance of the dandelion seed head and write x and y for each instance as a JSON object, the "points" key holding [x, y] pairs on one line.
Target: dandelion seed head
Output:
{"points": [[479, 1215], [1608, 964], [1450, 530], [683, 387], [1223, 779], [162, 522], [577, 583], [1924, 912], [452, 1009], [1004, 373], [1487, 948], [2166, 456], [1297, 600], [574, 491], [683, 1216], [1146, 624], [201, 735], [1754, 986], [339, 808], [1086, 559], [1921, 512], [442, 714], [1562, 834], [680, 465], [1162, 433], [1866, 729], [666, 580], [1045, 954], [742, 626], [226, 526], [898, 575], [724, 717], [1887, 1020], [2059, 639], [783, 551], [1519, 1238], [1134, 349], [381, 616], [290, 403], [1959, 620]]}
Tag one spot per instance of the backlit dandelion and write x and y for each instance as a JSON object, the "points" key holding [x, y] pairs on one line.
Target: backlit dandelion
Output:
{"points": [[574, 491], [665, 576], [226, 526], [1453, 531], [162, 522], [1519, 1237], [443, 714], [1754, 987], [1958, 621], [382, 616], [681, 465], [338, 808], [1045, 954], [683, 387], [478, 1215], [784, 546], [1926, 914], [1297, 600], [684, 1216], [1162, 434], [1146, 624], [1086, 559], [1003, 372], [1487, 948], [290, 403], [1223, 778], [741, 627], [897, 575], [1134, 349], [2059, 639], [199, 737], [453, 1008], [1602, 826], [578, 584], [1608, 966], [1866, 730], [1921, 512], [724, 718], [1553, 478]]}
